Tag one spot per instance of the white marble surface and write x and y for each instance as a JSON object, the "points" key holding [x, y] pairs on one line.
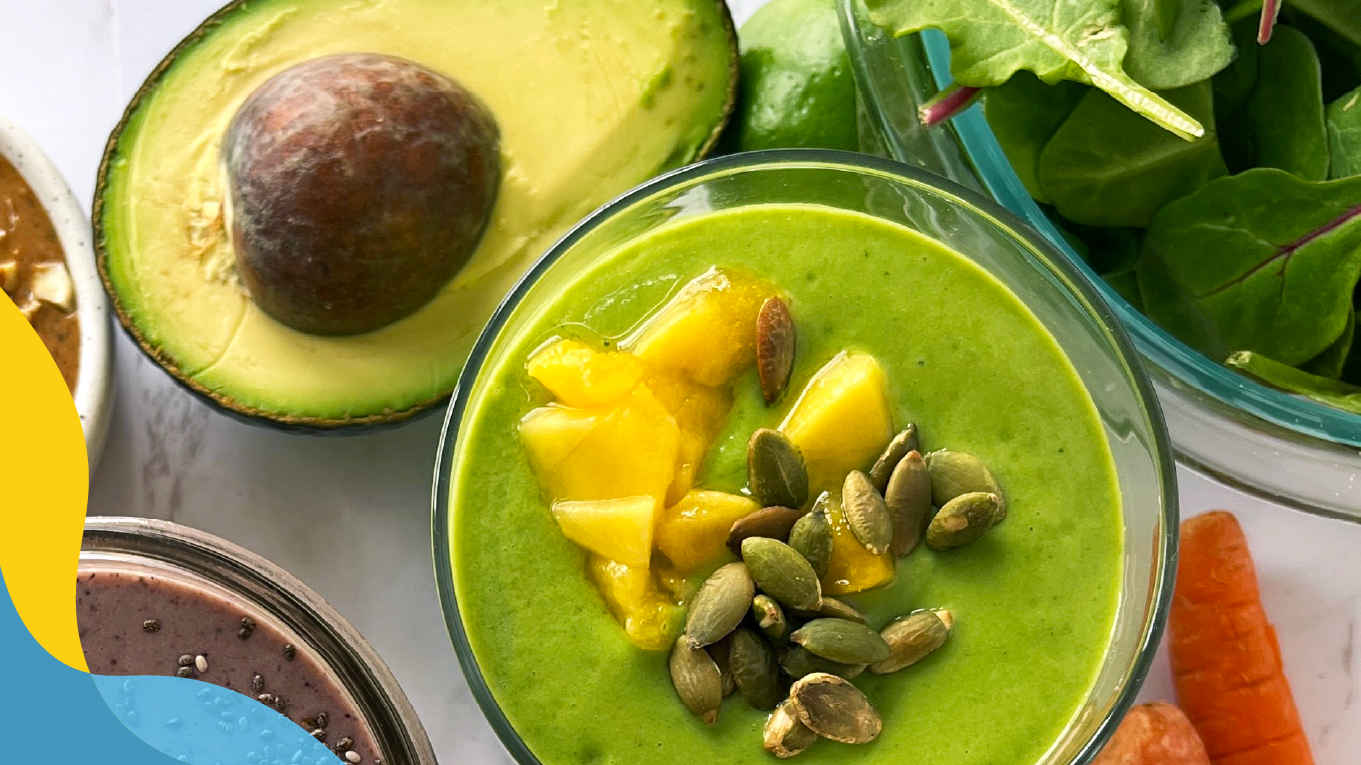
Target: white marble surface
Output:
{"points": [[350, 516]]}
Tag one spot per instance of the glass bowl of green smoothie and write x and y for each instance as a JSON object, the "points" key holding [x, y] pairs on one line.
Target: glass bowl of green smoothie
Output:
{"points": [[1276, 445], [991, 342]]}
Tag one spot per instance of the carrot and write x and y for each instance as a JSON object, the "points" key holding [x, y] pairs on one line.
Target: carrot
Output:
{"points": [[1226, 663], [1154, 734]]}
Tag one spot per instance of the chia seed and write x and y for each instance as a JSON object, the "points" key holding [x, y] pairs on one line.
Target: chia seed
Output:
{"points": [[186, 660], [323, 719], [290, 652], [257, 683], [151, 625], [201, 663], [319, 734], [352, 756], [184, 672]]}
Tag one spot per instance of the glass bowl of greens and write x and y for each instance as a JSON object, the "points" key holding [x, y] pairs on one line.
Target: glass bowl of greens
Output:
{"points": [[1232, 258]]}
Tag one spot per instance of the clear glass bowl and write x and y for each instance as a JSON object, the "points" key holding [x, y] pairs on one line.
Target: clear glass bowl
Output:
{"points": [[998, 241], [1279, 446]]}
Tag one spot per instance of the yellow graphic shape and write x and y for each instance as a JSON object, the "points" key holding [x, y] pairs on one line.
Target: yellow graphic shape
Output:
{"points": [[43, 462]]}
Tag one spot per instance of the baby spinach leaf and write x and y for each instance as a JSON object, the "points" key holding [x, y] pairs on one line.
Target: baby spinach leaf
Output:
{"points": [[1109, 251], [1351, 367], [1233, 88], [1341, 16], [1195, 47], [1333, 360], [1127, 286], [1260, 261], [1166, 13], [1105, 166], [1285, 112], [1080, 40], [1331, 392], [1344, 135], [1024, 113], [1339, 57]]}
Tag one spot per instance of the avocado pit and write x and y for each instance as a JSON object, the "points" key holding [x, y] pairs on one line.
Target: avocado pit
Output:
{"points": [[359, 184]]}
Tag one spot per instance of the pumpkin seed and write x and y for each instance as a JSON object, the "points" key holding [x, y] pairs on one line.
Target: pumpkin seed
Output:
{"points": [[912, 638], [774, 522], [835, 709], [719, 652], [836, 609], [866, 513], [906, 441], [811, 537], [776, 472], [842, 641], [720, 604], [797, 661], [775, 341], [956, 473], [770, 618], [754, 669], [963, 520], [696, 679], [781, 573], [785, 735], [908, 498]]}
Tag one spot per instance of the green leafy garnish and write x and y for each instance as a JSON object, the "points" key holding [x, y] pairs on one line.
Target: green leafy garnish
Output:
{"points": [[1098, 181], [1344, 135], [992, 39], [1341, 16], [1331, 392], [1024, 114], [1286, 107], [1246, 240], [1261, 261], [1193, 48], [1333, 361]]}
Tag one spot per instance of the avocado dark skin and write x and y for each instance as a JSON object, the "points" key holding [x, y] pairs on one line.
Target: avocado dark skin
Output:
{"points": [[359, 184]]}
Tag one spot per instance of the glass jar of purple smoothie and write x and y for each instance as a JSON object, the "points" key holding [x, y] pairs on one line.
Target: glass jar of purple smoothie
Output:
{"points": [[157, 598]]}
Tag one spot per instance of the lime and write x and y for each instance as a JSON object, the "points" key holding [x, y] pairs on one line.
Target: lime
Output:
{"points": [[797, 89]]}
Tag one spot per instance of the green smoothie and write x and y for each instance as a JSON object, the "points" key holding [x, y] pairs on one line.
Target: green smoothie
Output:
{"points": [[1034, 600]]}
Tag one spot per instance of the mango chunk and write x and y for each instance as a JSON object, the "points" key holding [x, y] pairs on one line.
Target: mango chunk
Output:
{"points": [[708, 330], [694, 531], [841, 421], [551, 433], [618, 529], [629, 452], [700, 412], [582, 376], [852, 568], [650, 619]]}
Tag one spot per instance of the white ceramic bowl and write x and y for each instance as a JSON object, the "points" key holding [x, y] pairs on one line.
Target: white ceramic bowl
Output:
{"points": [[94, 390]]}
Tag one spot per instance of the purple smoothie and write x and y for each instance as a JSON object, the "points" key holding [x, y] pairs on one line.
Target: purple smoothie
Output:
{"points": [[140, 622]]}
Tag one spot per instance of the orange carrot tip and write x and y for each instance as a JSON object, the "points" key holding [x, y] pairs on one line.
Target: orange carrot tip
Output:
{"points": [[1154, 734], [1226, 661]]}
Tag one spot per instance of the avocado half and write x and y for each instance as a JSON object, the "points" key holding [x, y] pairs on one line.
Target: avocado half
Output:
{"points": [[591, 98]]}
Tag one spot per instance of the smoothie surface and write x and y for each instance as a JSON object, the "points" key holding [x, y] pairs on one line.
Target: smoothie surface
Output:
{"points": [[1034, 600]]}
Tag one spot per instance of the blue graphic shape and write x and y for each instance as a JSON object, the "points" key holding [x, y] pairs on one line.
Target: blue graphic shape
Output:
{"points": [[55, 714], [205, 724]]}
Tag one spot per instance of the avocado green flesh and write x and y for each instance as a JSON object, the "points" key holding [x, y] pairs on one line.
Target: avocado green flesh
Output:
{"points": [[1034, 600], [591, 98]]}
